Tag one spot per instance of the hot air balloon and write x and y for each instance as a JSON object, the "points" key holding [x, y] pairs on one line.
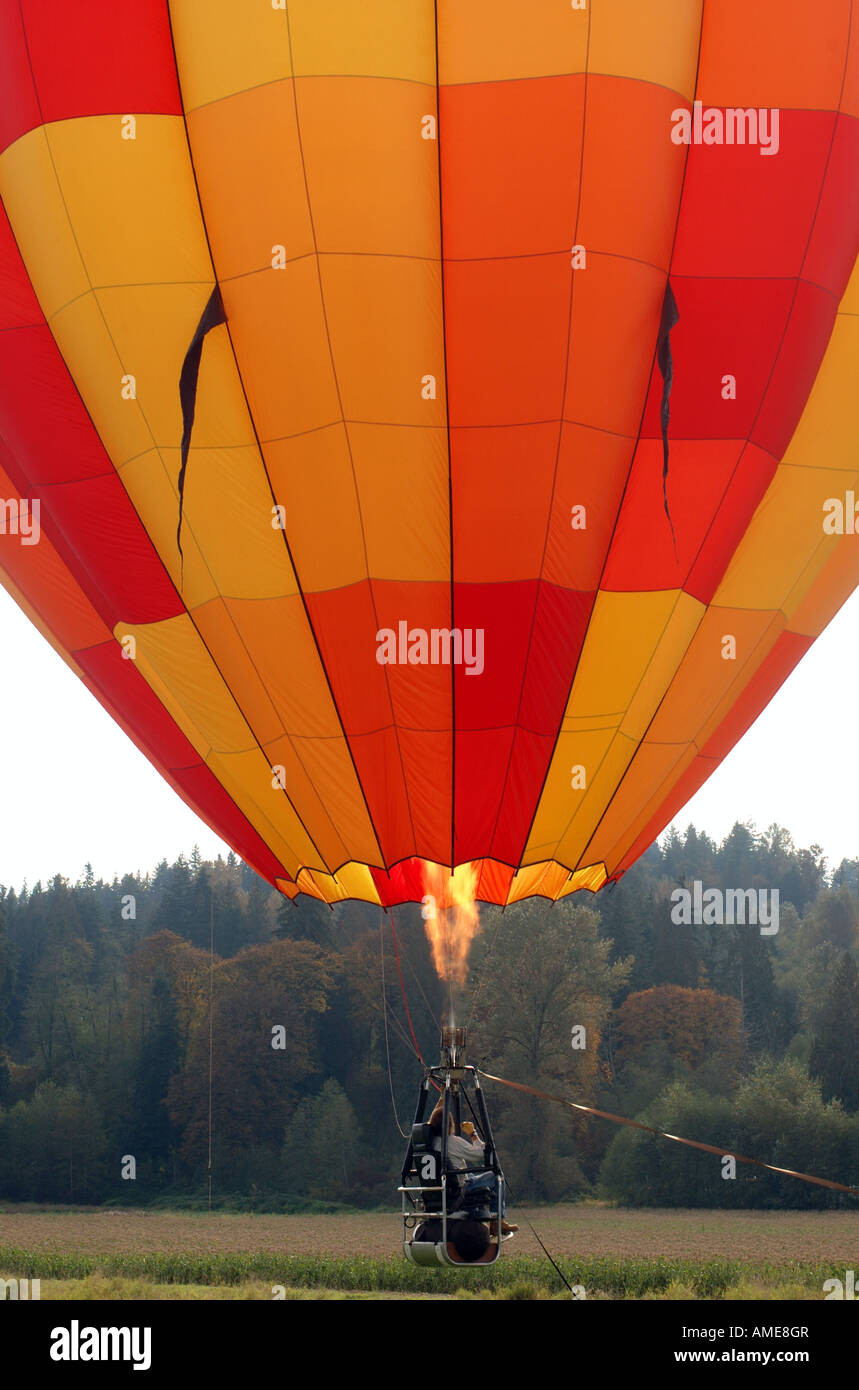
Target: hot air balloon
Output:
{"points": [[422, 424]]}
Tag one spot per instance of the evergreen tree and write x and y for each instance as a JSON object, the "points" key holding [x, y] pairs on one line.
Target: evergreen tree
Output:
{"points": [[675, 960], [5, 997], [181, 909], [737, 856], [836, 1044], [756, 990], [159, 1058], [834, 919], [847, 875], [305, 919], [628, 912], [699, 854]]}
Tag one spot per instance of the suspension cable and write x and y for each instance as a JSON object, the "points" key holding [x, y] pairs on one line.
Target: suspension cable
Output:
{"points": [[432, 1013], [403, 990], [387, 1044]]}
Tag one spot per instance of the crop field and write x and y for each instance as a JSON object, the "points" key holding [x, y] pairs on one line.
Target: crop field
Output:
{"points": [[610, 1253]]}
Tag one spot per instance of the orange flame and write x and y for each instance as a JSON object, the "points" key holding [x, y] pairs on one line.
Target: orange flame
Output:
{"points": [[451, 918]]}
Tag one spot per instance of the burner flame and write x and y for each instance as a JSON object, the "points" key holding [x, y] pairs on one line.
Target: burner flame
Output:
{"points": [[451, 918]]}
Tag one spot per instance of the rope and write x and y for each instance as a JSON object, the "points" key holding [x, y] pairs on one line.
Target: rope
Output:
{"points": [[560, 1273], [531, 1227], [387, 1045], [211, 996], [661, 1134], [432, 1013], [397, 1026]]}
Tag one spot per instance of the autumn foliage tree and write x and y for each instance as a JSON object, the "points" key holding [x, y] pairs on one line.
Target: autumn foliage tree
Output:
{"points": [[698, 1026]]}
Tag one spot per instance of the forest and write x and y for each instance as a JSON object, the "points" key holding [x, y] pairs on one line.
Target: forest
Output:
{"points": [[191, 1035]]}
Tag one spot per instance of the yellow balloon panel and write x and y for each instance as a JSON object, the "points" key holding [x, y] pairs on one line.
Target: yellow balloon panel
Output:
{"points": [[227, 46], [376, 38]]}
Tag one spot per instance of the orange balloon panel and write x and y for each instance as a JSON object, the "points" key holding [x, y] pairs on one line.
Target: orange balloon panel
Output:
{"points": [[418, 419]]}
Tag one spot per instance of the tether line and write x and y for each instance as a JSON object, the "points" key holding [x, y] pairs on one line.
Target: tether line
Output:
{"points": [[675, 1138]]}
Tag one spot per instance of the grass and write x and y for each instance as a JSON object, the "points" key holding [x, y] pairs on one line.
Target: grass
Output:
{"points": [[612, 1277], [100, 1287]]}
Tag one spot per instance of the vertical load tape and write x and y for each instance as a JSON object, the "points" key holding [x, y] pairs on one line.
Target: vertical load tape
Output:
{"points": [[669, 318]]}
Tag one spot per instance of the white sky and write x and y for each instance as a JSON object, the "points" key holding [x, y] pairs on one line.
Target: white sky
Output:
{"points": [[75, 789], [798, 764]]}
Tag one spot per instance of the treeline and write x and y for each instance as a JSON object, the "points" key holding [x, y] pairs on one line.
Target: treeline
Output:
{"points": [[189, 1029]]}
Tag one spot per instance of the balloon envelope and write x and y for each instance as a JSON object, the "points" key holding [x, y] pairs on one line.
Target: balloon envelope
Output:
{"points": [[435, 413]]}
